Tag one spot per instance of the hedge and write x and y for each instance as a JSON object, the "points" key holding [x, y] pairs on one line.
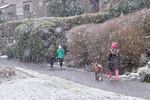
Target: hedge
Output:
{"points": [[91, 42], [28, 30], [37, 40]]}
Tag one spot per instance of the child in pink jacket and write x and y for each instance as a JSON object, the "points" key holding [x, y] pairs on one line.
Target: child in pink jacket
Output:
{"points": [[114, 61]]}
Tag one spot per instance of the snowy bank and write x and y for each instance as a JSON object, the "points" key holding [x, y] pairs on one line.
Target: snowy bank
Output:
{"points": [[54, 89], [45, 87]]}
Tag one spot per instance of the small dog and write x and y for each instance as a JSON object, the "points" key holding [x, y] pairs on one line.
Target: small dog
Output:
{"points": [[98, 69]]}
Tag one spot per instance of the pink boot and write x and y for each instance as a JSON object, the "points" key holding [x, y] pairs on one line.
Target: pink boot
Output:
{"points": [[110, 75], [117, 74]]}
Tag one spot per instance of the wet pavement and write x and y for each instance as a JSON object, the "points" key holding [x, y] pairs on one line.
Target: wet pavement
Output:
{"points": [[127, 87]]}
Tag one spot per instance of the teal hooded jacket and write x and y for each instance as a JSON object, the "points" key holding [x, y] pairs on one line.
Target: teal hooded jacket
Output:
{"points": [[60, 53]]}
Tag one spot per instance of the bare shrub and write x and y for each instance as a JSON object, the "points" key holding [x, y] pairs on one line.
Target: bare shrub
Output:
{"points": [[86, 46], [6, 72], [88, 43], [132, 44]]}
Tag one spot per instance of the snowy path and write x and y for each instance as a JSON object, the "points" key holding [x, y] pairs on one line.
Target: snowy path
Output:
{"points": [[131, 88], [45, 87]]}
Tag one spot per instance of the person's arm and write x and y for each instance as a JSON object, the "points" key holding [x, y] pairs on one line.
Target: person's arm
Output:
{"points": [[109, 57]]}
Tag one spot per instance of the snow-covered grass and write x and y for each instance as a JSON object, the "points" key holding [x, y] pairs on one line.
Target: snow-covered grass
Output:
{"points": [[9, 73], [54, 89], [144, 72], [45, 87]]}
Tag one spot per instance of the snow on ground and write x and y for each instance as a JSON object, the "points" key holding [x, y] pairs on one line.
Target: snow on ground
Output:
{"points": [[44, 87], [9, 73], [4, 56]]}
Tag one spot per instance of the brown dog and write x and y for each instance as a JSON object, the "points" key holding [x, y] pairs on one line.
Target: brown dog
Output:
{"points": [[98, 69]]}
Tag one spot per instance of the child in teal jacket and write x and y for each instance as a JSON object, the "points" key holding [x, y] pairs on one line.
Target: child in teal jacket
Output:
{"points": [[60, 55]]}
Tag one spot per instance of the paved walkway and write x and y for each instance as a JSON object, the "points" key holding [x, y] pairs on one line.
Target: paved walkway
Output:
{"points": [[128, 87]]}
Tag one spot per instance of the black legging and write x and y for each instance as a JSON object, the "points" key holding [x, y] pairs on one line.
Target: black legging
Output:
{"points": [[61, 61]]}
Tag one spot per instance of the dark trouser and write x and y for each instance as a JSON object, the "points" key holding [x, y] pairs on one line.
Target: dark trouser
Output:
{"points": [[113, 67], [113, 70], [61, 61], [52, 62]]}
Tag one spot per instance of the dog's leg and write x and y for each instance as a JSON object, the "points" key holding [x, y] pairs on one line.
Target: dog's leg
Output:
{"points": [[96, 76], [101, 75]]}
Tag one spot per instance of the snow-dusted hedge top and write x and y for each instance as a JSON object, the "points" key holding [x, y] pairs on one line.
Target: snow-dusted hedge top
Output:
{"points": [[72, 21]]}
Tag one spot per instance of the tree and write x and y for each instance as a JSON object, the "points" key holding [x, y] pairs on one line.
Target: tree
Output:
{"points": [[94, 5], [64, 8], [128, 6]]}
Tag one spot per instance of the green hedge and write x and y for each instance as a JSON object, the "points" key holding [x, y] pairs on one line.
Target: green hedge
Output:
{"points": [[7, 28], [11, 50], [22, 34], [24, 30], [59, 8], [128, 6], [36, 40]]}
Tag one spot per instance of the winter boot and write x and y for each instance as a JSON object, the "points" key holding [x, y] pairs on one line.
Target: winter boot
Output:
{"points": [[110, 75], [117, 74]]}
